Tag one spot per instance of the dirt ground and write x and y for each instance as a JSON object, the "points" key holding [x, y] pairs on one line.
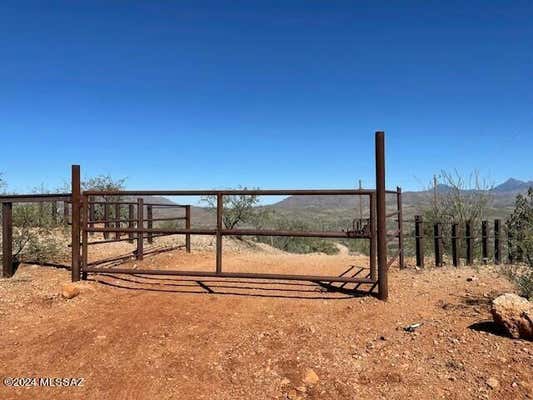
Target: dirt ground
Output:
{"points": [[135, 337]]}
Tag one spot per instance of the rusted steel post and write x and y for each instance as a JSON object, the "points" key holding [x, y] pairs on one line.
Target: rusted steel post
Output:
{"points": [[497, 242], [419, 240], [383, 285], [76, 205], [140, 225], [84, 236], [401, 261], [7, 240], [437, 234], [373, 243], [188, 226], [149, 217], [54, 213], [106, 218], [485, 241], [468, 241], [92, 213], [220, 210], [455, 237], [117, 219], [65, 212], [130, 222]]}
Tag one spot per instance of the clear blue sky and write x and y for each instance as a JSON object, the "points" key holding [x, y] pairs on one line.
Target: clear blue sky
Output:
{"points": [[273, 94]]}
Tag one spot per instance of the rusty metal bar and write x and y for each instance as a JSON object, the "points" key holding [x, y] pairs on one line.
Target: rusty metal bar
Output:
{"points": [[166, 219], [497, 242], [149, 216], [35, 198], [117, 220], [125, 239], [220, 211], [455, 238], [383, 286], [92, 212], [312, 278], [437, 236], [140, 227], [419, 241], [485, 241], [202, 231], [391, 214], [7, 240], [106, 219], [373, 235], [130, 222], [258, 192], [393, 259], [75, 229], [401, 260], [468, 241], [264, 232], [188, 226], [84, 236]]}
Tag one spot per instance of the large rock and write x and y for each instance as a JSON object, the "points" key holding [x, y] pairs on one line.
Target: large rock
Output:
{"points": [[70, 290], [515, 313]]}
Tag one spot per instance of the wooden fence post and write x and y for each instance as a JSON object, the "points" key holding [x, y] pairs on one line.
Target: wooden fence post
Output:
{"points": [[7, 240], [485, 241], [140, 225], [455, 237], [419, 240], [437, 234], [188, 226], [497, 243], [149, 217], [468, 240]]}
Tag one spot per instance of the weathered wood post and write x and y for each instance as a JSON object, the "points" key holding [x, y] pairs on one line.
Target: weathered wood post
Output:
{"points": [[485, 241], [140, 226], [383, 284], [149, 217], [7, 240], [437, 235], [419, 241], [76, 206], [468, 241], [455, 237], [188, 226], [131, 222], [401, 259], [497, 242]]}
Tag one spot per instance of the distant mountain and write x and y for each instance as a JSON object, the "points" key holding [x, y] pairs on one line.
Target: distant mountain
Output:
{"points": [[513, 185]]}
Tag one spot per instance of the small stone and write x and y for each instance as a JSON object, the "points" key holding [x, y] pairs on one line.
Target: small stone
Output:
{"points": [[471, 279], [70, 291], [493, 383], [310, 377]]}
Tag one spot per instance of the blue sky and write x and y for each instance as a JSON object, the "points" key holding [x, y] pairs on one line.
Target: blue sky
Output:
{"points": [[266, 94]]}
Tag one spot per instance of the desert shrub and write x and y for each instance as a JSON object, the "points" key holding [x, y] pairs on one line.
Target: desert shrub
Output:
{"points": [[520, 228]]}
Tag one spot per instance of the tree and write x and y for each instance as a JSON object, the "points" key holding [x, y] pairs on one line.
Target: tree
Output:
{"points": [[520, 228], [238, 208]]}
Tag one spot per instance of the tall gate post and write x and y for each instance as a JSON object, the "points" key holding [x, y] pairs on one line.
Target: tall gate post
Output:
{"points": [[7, 240], [400, 227], [485, 242], [468, 239], [130, 222], [437, 234], [455, 236], [220, 210], [383, 285], [149, 217], [75, 228], [419, 240]]}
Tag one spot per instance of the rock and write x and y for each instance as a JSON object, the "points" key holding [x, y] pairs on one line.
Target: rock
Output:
{"points": [[70, 291], [471, 279], [310, 377], [493, 383], [515, 313]]}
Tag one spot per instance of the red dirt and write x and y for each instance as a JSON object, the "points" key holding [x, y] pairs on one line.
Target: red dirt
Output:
{"points": [[136, 337]]}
